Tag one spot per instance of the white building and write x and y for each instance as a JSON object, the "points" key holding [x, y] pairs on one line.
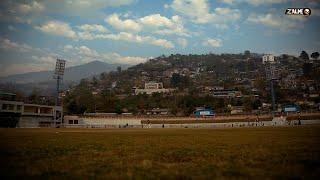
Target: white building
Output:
{"points": [[268, 58], [152, 87]]}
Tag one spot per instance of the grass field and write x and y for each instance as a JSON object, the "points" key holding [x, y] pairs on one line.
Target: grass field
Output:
{"points": [[269, 152]]}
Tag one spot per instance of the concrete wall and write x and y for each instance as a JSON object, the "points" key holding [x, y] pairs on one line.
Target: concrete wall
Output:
{"points": [[36, 122], [109, 122], [96, 122]]}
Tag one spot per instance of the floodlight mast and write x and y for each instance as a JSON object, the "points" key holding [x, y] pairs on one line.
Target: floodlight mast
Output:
{"points": [[58, 74]]}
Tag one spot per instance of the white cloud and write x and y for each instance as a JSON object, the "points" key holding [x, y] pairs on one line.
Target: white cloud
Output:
{"points": [[157, 20], [87, 55], [7, 44], [12, 17], [85, 35], [12, 28], [48, 60], [84, 50], [20, 68], [37, 63], [264, 2], [199, 12], [231, 2], [255, 2], [63, 29], [58, 28], [21, 11], [67, 48], [284, 23], [163, 25], [34, 6], [126, 25], [225, 15], [117, 58], [213, 42], [125, 36], [29, 11], [84, 8], [182, 42], [154, 23], [93, 28]]}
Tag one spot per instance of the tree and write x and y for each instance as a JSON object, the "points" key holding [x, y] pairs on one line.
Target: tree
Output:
{"points": [[84, 82], [260, 84], [307, 68], [256, 104], [179, 81], [35, 96], [284, 56], [247, 103], [304, 55], [119, 69], [315, 55], [102, 76], [79, 99], [94, 81], [247, 53]]}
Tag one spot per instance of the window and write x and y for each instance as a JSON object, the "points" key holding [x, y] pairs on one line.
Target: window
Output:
{"points": [[18, 107], [75, 121], [70, 121], [9, 107]]}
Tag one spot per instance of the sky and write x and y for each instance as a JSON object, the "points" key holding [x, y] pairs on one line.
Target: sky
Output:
{"points": [[34, 33]]}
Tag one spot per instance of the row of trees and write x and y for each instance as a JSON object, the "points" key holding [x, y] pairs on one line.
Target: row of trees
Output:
{"points": [[81, 100], [305, 56]]}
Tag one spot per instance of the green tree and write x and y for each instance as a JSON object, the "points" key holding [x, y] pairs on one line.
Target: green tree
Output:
{"points": [[35, 96], [79, 100], [304, 55], [119, 69], [179, 81], [307, 68], [247, 103], [315, 55], [247, 54], [95, 81]]}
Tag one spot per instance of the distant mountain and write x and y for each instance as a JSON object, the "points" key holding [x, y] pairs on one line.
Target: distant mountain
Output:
{"points": [[74, 73]]}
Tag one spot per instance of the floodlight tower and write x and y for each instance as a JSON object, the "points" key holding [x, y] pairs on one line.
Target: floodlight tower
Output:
{"points": [[58, 74], [270, 68]]}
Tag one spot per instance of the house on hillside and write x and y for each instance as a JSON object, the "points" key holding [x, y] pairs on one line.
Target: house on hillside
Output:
{"points": [[226, 93], [152, 87]]}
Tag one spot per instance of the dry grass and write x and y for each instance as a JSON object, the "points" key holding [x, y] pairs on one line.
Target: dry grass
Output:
{"points": [[267, 153], [311, 116]]}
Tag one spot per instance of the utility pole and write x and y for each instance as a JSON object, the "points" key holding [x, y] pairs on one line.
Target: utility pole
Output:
{"points": [[57, 99], [271, 76], [273, 98]]}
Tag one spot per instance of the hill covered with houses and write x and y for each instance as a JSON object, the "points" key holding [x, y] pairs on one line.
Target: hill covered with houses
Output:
{"points": [[177, 84]]}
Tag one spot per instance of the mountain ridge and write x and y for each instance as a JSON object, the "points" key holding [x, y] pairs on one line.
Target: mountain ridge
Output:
{"points": [[73, 73]]}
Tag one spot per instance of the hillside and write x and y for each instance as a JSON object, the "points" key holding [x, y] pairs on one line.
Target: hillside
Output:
{"points": [[225, 82]]}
